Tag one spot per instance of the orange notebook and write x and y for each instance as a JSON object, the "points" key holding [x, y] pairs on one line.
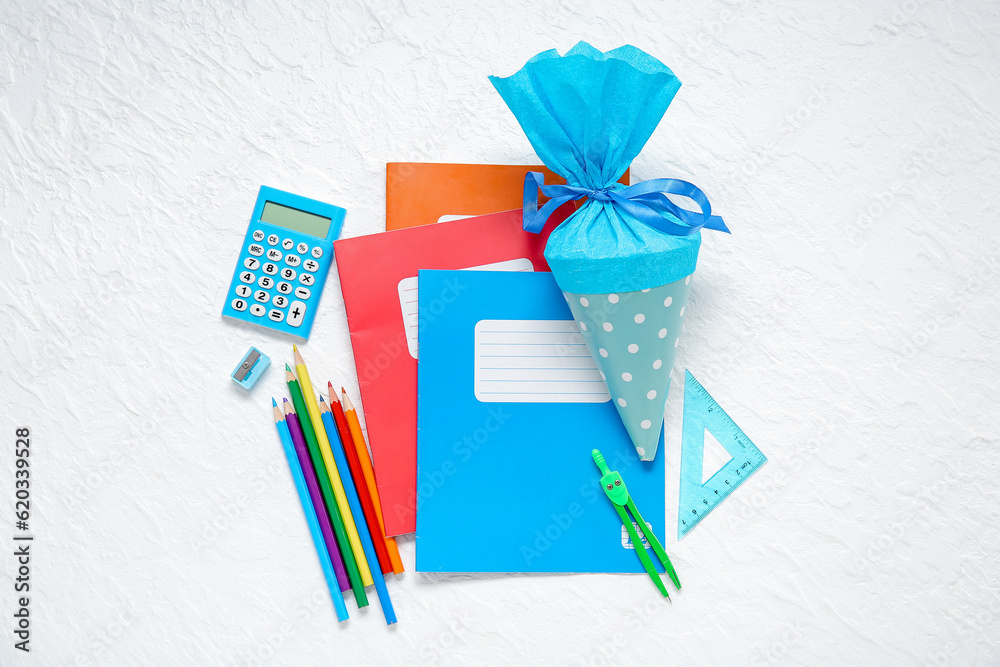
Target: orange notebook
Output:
{"points": [[419, 193]]}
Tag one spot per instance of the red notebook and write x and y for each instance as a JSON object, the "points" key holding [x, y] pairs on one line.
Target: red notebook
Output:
{"points": [[378, 275]]}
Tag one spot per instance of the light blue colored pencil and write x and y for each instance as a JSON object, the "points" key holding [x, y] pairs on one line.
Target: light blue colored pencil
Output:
{"points": [[310, 511], [355, 503]]}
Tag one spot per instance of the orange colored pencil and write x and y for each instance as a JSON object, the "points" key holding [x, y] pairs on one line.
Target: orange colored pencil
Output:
{"points": [[357, 473], [366, 466]]}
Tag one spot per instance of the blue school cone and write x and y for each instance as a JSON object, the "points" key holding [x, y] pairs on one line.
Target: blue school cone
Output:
{"points": [[633, 337], [624, 260]]}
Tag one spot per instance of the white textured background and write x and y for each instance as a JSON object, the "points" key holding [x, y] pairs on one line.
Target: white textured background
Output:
{"points": [[849, 324]]}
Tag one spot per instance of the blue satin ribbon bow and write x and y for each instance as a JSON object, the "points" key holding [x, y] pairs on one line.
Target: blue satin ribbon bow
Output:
{"points": [[646, 201]]}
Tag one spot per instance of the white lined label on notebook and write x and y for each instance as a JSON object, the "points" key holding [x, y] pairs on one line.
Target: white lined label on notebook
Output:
{"points": [[535, 361], [407, 290]]}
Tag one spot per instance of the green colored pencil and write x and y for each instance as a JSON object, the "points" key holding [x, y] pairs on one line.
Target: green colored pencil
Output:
{"points": [[339, 531]]}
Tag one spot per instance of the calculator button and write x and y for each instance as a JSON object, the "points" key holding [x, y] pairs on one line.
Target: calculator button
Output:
{"points": [[256, 249], [302, 292], [310, 265], [258, 235], [243, 291], [293, 260], [265, 282], [296, 312], [274, 255], [275, 315], [279, 301], [317, 252], [251, 263], [288, 244], [302, 248], [261, 296], [239, 304], [284, 288], [272, 239], [257, 310], [247, 277], [270, 269], [288, 274], [307, 279]]}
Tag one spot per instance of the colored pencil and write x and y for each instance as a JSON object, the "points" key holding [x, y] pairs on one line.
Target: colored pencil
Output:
{"points": [[361, 470], [338, 447], [310, 512], [323, 440], [351, 415], [309, 434], [312, 484]]}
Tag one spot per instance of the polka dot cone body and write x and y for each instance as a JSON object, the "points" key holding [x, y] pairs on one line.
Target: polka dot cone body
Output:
{"points": [[633, 338]]}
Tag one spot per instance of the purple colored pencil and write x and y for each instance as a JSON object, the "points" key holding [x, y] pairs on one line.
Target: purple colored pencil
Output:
{"points": [[298, 439]]}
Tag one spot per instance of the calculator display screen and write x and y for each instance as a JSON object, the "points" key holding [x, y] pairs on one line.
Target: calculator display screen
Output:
{"points": [[294, 219]]}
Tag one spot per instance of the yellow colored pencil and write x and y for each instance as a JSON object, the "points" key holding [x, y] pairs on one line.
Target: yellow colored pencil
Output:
{"points": [[312, 407], [366, 466]]}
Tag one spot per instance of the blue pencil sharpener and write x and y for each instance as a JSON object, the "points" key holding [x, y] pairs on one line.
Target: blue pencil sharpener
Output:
{"points": [[250, 368]]}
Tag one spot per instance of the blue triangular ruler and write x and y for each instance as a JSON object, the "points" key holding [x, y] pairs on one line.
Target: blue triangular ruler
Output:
{"points": [[702, 413]]}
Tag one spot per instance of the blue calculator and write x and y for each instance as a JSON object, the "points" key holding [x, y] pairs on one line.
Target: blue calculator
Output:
{"points": [[283, 263]]}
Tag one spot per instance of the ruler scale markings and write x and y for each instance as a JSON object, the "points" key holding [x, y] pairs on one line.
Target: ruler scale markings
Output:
{"points": [[701, 413]]}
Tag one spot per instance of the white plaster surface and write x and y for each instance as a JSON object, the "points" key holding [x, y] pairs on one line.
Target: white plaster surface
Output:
{"points": [[849, 324]]}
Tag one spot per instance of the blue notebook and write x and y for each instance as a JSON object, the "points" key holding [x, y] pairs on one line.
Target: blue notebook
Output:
{"points": [[510, 406]]}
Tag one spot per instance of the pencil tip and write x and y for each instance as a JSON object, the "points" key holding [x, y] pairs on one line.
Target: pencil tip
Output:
{"points": [[274, 402], [287, 368], [295, 348], [285, 400], [347, 403]]}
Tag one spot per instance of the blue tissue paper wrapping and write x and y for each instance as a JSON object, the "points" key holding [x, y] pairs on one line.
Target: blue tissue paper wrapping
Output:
{"points": [[588, 114]]}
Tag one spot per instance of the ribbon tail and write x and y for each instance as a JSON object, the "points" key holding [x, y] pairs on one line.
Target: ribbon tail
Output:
{"points": [[716, 223]]}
